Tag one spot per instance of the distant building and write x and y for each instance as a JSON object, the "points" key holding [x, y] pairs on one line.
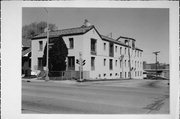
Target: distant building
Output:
{"points": [[105, 57], [162, 69], [26, 58]]}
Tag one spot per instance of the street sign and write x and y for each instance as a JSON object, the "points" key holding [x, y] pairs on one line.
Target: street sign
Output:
{"points": [[84, 62], [77, 61]]}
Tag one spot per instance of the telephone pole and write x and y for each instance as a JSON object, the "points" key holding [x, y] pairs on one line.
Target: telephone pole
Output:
{"points": [[47, 55], [156, 54], [80, 66]]}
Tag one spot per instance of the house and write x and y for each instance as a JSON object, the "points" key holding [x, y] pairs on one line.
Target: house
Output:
{"points": [[103, 56], [26, 57]]}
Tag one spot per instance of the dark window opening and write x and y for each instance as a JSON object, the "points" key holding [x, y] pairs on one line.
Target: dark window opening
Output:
{"points": [[104, 46], [93, 46], [111, 49], [92, 63], [111, 64], [104, 62], [120, 74], [71, 43], [40, 45], [40, 63], [71, 63], [116, 48], [120, 50]]}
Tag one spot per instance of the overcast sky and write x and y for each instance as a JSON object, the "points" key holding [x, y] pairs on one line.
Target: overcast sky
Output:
{"points": [[149, 26]]}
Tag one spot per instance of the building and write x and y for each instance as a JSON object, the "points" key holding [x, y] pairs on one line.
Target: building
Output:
{"points": [[105, 57], [162, 69], [26, 58]]}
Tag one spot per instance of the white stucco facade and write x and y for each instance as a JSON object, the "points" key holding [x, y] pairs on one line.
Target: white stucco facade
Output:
{"points": [[101, 66]]}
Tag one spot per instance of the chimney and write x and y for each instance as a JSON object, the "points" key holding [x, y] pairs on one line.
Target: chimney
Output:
{"points": [[86, 23]]}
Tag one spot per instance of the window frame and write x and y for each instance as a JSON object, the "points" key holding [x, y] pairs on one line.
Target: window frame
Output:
{"points": [[71, 43], [40, 45]]}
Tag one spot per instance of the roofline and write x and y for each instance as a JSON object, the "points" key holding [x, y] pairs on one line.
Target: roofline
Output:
{"points": [[72, 34], [116, 42], [35, 38], [139, 49], [57, 36], [125, 38]]}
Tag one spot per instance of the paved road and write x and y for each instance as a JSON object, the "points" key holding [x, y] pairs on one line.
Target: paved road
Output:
{"points": [[94, 98]]}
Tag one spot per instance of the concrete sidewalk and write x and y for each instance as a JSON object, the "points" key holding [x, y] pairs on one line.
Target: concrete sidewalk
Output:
{"points": [[114, 83], [55, 81]]}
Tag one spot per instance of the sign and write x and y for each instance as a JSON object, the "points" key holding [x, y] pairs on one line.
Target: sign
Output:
{"points": [[80, 62]]}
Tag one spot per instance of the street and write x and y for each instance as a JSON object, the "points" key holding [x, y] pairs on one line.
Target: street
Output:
{"points": [[108, 97]]}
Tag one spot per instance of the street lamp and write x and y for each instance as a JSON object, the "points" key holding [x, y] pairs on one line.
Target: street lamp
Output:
{"points": [[47, 55], [156, 53]]}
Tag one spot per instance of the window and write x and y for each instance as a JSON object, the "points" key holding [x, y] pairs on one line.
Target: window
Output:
{"points": [[133, 44], [125, 63], [120, 50], [120, 63], [104, 62], [125, 51], [129, 74], [110, 64], [116, 48], [120, 74], [71, 43], [93, 46], [40, 63], [71, 63], [116, 63], [29, 63], [104, 46], [125, 75], [111, 50], [40, 45], [137, 54], [92, 63]]}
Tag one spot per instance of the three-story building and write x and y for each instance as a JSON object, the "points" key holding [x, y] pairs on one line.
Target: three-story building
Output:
{"points": [[105, 57]]}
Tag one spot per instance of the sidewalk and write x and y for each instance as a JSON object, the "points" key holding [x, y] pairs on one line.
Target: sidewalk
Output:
{"points": [[115, 83], [55, 81]]}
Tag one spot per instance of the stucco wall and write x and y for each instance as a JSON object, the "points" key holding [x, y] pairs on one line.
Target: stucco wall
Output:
{"points": [[36, 53], [82, 43]]}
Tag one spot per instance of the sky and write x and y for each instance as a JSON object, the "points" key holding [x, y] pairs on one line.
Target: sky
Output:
{"points": [[149, 26]]}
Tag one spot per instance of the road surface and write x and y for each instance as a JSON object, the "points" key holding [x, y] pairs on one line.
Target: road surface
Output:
{"points": [[114, 97]]}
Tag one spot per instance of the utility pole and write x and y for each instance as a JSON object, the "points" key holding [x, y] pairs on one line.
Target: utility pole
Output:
{"points": [[156, 53], [47, 55], [80, 65]]}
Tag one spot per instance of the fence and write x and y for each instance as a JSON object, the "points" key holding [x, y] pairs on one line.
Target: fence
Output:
{"points": [[68, 75]]}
